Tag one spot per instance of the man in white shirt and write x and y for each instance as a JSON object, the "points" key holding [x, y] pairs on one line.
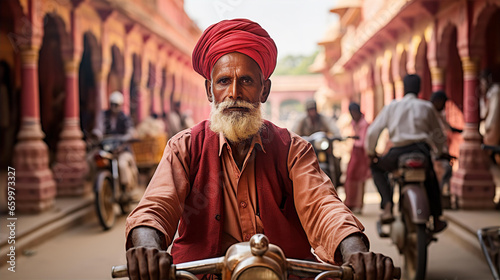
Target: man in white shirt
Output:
{"points": [[413, 127]]}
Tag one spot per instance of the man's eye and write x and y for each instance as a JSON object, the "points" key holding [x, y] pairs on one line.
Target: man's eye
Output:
{"points": [[247, 80], [223, 81]]}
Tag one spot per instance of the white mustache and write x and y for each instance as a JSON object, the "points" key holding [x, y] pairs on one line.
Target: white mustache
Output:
{"points": [[236, 103]]}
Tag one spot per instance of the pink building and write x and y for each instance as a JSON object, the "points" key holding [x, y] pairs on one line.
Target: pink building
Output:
{"points": [[447, 43], [60, 61]]}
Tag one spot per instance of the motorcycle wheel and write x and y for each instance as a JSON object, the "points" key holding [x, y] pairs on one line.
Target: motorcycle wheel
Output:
{"points": [[415, 249], [105, 201]]}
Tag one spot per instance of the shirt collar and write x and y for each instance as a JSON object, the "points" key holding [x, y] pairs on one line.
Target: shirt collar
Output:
{"points": [[256, 141], [410, 96]]}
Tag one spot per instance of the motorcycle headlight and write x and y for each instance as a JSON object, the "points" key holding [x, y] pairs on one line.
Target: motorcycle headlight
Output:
{"points": [[322, 144], [258, 272], [107, 147], [256, 259]]}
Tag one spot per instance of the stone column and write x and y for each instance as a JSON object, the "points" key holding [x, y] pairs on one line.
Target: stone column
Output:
{"points": [[142, 104], [388, 92], [399, 90], [437, 77], [472, 185], [71, 166], [35, 185]]}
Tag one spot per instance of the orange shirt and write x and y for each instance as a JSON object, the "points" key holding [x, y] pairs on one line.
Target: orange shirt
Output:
{"points": [[325, 219]]}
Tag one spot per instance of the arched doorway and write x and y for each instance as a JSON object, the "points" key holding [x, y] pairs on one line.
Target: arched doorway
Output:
{"points": [[491, 59], [52, 82], [87, 84], [115, 76], [163, 88], [172, 91], [151, 84], [422, 69], [10, 113], [454, 73], [454, 87], [134, 88]]}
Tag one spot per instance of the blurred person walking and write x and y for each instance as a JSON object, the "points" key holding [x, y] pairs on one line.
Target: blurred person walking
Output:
{"points": [[358, 169]]}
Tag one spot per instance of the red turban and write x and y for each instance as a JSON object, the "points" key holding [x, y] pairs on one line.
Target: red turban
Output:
{"points": [[236, 35]]}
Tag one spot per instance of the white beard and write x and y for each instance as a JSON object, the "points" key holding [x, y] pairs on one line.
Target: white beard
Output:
{"points": [[236, 126]]}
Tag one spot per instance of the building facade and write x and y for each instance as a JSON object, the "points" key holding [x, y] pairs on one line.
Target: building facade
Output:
{"points": [[60, 61], [288, 96], [446, 42]]}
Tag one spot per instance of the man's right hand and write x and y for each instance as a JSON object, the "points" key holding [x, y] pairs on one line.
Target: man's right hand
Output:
{"points": [[148, 263], [146, 259]]}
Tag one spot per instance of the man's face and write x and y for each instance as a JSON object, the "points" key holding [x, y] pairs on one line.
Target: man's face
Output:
{"points": [[115, 107], [439, 104], [237, 76], [236, 90], [483, 85], [312, 113]]}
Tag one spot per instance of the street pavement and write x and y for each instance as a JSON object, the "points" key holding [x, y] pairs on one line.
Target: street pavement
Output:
{"points": [[87, 252]]}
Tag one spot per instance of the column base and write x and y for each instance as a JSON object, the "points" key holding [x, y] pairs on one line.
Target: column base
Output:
{"points": [[35, 186], [472, 189], [71, 168], [472, 185]]}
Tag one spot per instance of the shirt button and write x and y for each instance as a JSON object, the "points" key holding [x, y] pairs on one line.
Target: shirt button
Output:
{"points": [[247, 237], [243, 204], [217, 217]]}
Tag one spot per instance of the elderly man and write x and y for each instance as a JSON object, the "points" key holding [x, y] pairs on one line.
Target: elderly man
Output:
{"points": [[236, 175]]}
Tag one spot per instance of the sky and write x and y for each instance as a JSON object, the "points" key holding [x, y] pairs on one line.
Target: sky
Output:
{"points": [[295, 25]]}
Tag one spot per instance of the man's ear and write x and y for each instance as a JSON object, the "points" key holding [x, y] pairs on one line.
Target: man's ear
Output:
{"points": [[266, 91], [208, 90]]}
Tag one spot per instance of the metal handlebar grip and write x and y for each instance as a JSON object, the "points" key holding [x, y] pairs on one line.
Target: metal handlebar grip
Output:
{"points": [[119, 271], [349, 274]]}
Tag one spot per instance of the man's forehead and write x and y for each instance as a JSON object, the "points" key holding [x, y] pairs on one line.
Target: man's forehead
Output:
{"points": [[230, 61]]}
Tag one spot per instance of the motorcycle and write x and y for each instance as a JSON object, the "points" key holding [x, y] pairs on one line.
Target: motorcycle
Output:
{"points": [[410, 230], [256, 259], [328, 162], [107, 188]]}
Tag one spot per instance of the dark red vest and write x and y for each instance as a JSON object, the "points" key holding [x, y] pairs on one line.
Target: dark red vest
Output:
{"points": [[202, 221]]}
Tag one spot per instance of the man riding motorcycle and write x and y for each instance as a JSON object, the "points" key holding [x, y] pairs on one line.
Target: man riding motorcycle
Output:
{"points": [[313, 122], [236, 175], [114, 122], [413, 125]]}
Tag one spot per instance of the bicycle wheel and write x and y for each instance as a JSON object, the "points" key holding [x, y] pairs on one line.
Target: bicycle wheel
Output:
{"points": [[415, 249], [105, 201]]}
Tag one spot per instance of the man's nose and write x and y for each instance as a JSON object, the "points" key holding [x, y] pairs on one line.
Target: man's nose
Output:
{"points": [[234, 90]]}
